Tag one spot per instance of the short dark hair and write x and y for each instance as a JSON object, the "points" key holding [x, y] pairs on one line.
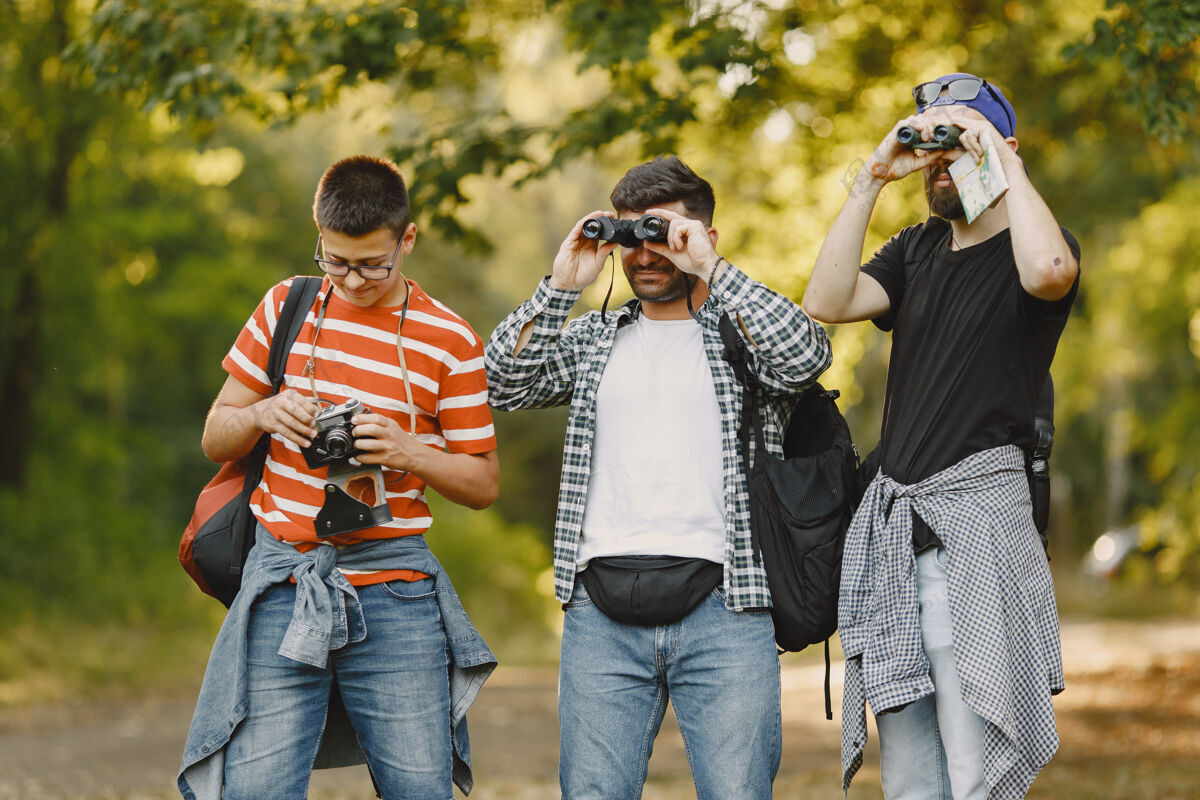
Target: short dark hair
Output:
{"points": [[361, 194], [666, 179]]}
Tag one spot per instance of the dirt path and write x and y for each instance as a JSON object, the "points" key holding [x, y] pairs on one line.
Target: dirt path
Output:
{"points": [[1130, 723]]}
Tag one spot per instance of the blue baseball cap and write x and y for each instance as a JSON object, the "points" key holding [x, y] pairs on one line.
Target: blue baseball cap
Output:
{"points": [[971, 91]]}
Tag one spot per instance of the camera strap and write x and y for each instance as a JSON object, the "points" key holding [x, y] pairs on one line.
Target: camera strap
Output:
{"points": [[408, 396], [612, 276], [310, 369]]}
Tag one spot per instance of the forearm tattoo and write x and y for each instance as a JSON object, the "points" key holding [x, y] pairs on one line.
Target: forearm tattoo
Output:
{"points": [[237, 425]]}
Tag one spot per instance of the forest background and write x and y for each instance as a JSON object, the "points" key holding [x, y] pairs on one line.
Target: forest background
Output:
{"points": [[159, 158]]}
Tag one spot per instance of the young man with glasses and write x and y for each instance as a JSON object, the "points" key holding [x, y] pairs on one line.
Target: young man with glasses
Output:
{"points": [[364, 618], [664, 597], [947, 615]]}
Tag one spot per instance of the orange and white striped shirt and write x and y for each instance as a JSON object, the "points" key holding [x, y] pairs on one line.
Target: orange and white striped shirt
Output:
{"points": [[356, 357]]}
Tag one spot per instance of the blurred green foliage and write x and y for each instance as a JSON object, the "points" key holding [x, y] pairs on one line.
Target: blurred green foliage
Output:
{"points": [[160, 156], [1155, 43]]}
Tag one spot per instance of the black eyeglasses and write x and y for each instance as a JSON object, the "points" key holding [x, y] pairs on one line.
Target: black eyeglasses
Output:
{"points": [[371, 272], [961, 89]]}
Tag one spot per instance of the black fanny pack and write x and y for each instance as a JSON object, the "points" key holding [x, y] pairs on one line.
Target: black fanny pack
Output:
{"points": [[649, 590]]}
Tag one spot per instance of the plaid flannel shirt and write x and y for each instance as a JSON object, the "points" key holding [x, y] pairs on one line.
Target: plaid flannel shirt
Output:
{"points": [[564, 363], [1005, 625]]}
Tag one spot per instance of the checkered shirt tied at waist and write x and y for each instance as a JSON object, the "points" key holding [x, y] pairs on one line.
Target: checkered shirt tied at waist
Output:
{"points": [[564, 363], [1003, 615]]}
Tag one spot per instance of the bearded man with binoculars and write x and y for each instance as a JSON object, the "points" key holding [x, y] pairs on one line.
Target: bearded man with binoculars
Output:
{"points": [[947, 615]]}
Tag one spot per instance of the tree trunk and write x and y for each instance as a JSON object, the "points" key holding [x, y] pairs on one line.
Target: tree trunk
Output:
{"points": [[18, 380], [66, 131]]}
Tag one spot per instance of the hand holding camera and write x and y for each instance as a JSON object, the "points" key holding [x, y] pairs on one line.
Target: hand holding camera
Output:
{"points": [[355, 494], [381, 440], [350, 430], [288, 414], [333, 442]]}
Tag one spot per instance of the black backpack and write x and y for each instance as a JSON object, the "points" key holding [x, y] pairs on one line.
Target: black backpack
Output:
{"points": [[800, 505], [933, 235]]}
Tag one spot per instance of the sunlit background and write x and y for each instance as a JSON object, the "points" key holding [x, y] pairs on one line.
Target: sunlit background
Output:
{"points": [[159, 159]]}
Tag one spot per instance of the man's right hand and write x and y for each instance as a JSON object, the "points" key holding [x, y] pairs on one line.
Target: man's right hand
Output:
{"points": [[579, 259], [289, 414], [892, 161], [838, 291], [240, 415]]}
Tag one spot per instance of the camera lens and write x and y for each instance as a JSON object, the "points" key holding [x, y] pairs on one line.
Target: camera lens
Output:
{"points": [[338, 443]]}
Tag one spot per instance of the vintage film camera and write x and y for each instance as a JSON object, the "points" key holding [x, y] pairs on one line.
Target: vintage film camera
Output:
{"points": [[627, 232], [334, 441], [355, 494], [945, 137]]}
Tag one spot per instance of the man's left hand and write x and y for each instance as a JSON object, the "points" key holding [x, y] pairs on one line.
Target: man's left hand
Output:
{"points": [[690, 245], [972, 139], [384, 442]]}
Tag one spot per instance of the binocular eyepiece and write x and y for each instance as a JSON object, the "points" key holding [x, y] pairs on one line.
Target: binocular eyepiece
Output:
{"points": [[945, 137], [627, 232]]}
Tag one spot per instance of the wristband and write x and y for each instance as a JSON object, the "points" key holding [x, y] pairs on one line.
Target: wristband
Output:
{"points": [[712, 274]]}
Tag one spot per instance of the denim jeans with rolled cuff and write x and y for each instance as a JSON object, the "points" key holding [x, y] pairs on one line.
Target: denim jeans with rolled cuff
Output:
{"points": [[932, 749]]}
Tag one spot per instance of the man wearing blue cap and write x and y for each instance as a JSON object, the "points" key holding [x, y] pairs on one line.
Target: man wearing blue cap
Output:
{"points": [[947, 614]]}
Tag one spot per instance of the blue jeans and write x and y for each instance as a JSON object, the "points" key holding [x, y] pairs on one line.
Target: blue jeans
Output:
{"points": [[394, 683], [718, 668], [932, 749]]}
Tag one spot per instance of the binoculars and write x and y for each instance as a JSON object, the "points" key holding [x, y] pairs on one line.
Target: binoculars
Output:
{"points": [[627, 232], [945, 137]]}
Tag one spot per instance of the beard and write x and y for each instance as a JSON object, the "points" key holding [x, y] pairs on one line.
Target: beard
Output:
{"points": [[944, 201], [676, 287]]}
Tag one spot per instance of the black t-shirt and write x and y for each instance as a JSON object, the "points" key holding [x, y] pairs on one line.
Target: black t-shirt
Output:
{"points": [[971, 350]]}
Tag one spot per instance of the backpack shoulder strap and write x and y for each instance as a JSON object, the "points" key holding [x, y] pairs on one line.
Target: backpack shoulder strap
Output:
{"points": [[932, 236], [750, 425], [300, 297], [739, 359], [735, 349]]}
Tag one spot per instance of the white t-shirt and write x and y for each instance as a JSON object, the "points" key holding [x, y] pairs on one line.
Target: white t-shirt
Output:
{"points": [[656, 481]]}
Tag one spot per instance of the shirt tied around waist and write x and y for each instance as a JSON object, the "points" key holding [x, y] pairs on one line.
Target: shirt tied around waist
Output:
{"points": [[1004, 620], [324, 597]]}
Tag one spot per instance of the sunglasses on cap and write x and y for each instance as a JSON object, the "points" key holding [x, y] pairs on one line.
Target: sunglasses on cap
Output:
{"points": [[962, 90]]}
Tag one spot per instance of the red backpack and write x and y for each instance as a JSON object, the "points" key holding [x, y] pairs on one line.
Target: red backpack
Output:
{"points": [[221, 532]]}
